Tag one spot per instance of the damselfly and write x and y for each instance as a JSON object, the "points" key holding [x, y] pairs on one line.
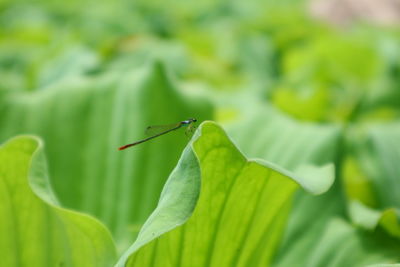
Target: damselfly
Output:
{"points": [[158, 130]]}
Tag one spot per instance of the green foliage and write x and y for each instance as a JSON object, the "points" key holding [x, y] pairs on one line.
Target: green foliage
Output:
{"points": [[84, 123], [297, 98], [225, 228], [35, 230]]}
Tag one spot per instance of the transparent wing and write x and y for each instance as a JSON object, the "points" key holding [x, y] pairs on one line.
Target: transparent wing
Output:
{"points": [[156, 129], [190, 130]]}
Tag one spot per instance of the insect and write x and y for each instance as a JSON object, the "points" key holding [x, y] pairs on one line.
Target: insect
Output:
{"points": [[159, 130]]}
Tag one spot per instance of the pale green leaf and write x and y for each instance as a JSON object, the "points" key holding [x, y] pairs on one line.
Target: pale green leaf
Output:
{"points": [[84, 121], [378, 153], [267, 133], [34, 229], [385, 147], [218, 208], [384, 265], [343, 245]]}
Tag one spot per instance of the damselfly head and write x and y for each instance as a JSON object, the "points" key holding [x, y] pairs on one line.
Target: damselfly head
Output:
{"points": [[189, 121]]}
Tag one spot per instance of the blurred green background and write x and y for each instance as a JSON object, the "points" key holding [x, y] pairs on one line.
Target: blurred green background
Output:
{"points": [[291, 81]]}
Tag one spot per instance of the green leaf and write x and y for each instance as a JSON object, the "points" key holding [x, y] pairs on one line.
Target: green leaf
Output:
{"points": [[370, 219], [34, 229], [264, 132], [357, 184], [344, 245], [385, 146], [84, 121], [372, 186], [384, 265], [220, 209], [267, 133]]}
